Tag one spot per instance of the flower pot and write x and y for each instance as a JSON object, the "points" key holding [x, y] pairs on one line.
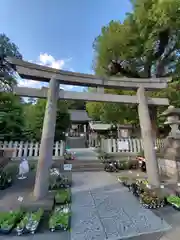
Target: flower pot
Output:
{"points": [[6, 230]]}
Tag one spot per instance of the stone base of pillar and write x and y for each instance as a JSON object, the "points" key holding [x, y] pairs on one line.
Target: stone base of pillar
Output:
{"points": [[32, 204]]}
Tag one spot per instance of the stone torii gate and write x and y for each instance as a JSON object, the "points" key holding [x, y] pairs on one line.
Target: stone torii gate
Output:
{"points": [[55, 77]]}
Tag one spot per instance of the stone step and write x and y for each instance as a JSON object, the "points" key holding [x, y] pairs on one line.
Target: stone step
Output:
{"points": [[87, 165], [91, 165], [88, 169], [83, 162], [76, 142]]}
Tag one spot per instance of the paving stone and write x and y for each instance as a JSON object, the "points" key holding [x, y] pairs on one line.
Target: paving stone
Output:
{"points": [[106, 210], [174, 234], [82, 198], [116, 214], [90, 228], [151, 236], [83, 213], [164, 238], [52, 236], [17, 238], [126, 229]]}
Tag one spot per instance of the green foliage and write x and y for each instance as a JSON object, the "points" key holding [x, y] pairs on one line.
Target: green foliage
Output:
{"points": [[77, 105], [174, 200], [12, 117], [8, 219], [60, 218], [63, 196], [146, 44], [20, 121], [11, 111], [30, 220], [34, 115], [7, 48]]}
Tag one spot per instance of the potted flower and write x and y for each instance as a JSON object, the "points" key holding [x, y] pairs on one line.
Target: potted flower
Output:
{"points": [[57, 181], [64, 182], [63, 196], [5, 180], [60, 219], [69, 156], [123, 180], [30, 222], [103, 157], [8, 220]]}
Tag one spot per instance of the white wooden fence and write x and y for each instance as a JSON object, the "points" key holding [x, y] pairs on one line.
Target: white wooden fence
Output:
{"points": [[132, 145], [31, 149]]}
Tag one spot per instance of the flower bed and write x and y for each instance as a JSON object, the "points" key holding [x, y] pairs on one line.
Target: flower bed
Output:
{"points": [[60, 219], [150, 199], [30, 222], [124, 165], [63, 196], [147, 197], [8, 220]]}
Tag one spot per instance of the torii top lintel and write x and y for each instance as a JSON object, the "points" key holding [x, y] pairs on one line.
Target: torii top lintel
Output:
{"points": [[37, 72]]}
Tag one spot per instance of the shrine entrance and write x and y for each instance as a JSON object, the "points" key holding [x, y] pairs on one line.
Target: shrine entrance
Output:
{"points": [[56, 77]]}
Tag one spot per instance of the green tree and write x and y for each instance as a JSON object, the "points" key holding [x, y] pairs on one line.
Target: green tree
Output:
{"points": [[11, 111], [12, 117], [145, 45], [7, 48], [35, 115], [77, 105]]}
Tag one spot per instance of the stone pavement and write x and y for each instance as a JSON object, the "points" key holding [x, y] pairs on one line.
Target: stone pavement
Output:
{"points": [[103, 209]]}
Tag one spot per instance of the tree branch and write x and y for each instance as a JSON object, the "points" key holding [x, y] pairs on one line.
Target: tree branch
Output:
{"points": [[163, 42], [116, 67]]}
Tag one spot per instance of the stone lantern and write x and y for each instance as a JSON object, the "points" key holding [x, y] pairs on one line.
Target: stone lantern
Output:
{"points": [[171, 150]]}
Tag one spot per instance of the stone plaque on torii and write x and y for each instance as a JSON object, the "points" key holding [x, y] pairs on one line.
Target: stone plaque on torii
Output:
{"points": [[56, 77]]}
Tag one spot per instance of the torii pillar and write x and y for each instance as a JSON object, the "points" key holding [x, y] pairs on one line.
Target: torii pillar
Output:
{"points": [[47, 142], [153, 117], [148, 141]]}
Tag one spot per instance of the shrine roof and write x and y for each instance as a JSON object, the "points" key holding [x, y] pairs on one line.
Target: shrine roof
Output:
{"points": [[79, 116]]}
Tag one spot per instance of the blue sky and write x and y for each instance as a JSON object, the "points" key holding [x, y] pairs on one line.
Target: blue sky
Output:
{"points": [[59, 32]]}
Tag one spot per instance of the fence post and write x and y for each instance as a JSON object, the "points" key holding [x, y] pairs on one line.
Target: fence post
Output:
{"points": [[20, 149], [31, 148], [61, 148], [56, 148], [26, 147], [36, 150]]}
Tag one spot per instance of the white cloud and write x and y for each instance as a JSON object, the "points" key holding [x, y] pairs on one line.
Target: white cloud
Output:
{"points": [[48, 60]]}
